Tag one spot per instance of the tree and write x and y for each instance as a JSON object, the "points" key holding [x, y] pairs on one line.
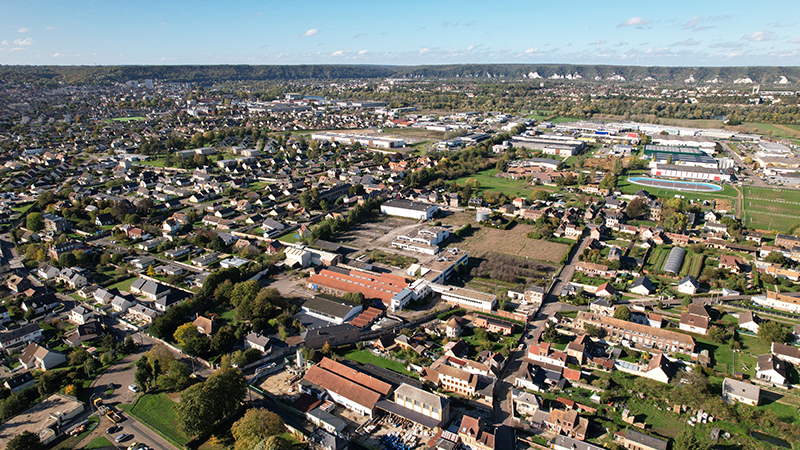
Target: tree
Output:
{"points": [[35, 222], [176, 378], [255, 426], [771, 331], [591, 330], [776, 258], [617, 167], [688, 441], [609, 182], [717, 334], [197, 346], [204, 404], [550, 333], [25, 441], [144, 376], [635, 208], [67, 260], [185, 332], [676, 222], [623, 313], [277, 443], [71, 389]]}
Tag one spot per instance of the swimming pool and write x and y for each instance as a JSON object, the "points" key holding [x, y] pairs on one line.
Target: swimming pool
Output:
{"points": [[693, 186]]}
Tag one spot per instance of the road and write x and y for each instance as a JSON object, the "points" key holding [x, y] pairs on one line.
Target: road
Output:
{"points": [[754, 179], [568, 270], [105, 242]]}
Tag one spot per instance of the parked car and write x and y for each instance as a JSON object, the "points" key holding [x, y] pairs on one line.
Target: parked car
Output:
{"points": [[133, 388], [113, 429], [123, 437]]}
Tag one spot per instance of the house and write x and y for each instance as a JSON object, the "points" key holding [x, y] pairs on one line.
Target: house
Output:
{"points": [[493, 325], [452, 329], [176, 253], [602, 306], [688, 285], [636, 440], [144, 263], [693, 324], [42, 358], [410, 402], [787, 353], [748, 321], [204, 325], [474, 434], [568, 422], [733, 263], [19, 382], [330, 309], [350, 388], [771, 369], [738, 391], [642, 286], [562, 442], [660, 369], [80, 314], [256, 341], [41, 304], [17, 284], [104, 219], [592, 269], [84, 333], [120, 304], [639, 335], [141, 313], [605, 290], [47, 272], [149, 288]]}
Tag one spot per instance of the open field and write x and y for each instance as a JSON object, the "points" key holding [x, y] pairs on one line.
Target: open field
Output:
{"points": [[127, 119], [124, 285], [511, 188], [513, 241], [158, 162], [771, 129], [367, 357], [415, 133], [157, 411], [771, 209]]}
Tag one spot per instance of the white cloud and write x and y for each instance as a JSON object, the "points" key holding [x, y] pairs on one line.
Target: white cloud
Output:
{"points": [[759, 36], [56, 55], [795, 41], [531, 51], [422, 51], [470, 48], [686, 43], [692, 23], [16, 49], [26, 41], [163, 24], [50, 28], [363, 52], [310, 32], [634, 22], [23, 30], [727, 44], [4, 42], [337, 53], [598, 42], [620, 44]]}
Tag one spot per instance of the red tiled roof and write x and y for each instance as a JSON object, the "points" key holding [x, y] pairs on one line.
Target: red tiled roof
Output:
{"points": [[383, 286], [355, 376], [342, 386]]}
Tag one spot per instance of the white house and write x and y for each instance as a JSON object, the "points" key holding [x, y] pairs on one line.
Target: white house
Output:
{"points": [[771, 369], [688, 285], [410, 209], [693, 323], [38, 357], [739, 391], [256, 341], [748, 321], [80, 314]]}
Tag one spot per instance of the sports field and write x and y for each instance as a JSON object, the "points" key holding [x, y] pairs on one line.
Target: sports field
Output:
{"points": [[628, 187], [771, 209]]}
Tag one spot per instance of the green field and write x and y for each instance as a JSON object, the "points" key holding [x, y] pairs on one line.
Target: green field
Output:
{"points": [[773, 130], [158, 412], [511, 188], [98, 442], [124, 285], [771, 209], [158, 162], [127, 119], [367, 357], [290, 237]]}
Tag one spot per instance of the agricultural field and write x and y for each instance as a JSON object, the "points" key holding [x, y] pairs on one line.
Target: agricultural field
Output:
{"points": [[415, 134], [483, 240], [692, 265], [656, 258], [771, 209]]}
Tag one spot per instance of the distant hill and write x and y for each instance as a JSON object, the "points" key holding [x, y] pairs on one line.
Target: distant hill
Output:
{"points": [[765, 76]]}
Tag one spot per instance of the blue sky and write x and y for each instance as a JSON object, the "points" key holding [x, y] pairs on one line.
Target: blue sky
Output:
{"points": [[663, 33]]}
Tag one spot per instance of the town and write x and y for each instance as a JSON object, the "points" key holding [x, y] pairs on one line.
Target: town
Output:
{"points": [[196, 266]]}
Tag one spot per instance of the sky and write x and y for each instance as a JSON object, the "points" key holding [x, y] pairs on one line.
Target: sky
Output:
{"points": [[410, 32]]}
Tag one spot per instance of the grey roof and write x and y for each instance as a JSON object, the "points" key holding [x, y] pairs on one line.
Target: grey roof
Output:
{"points": [[689, 279], [9, 336], [741, 389], [646, 440], [328, 306], [562, 441], [257, 339], [642, 281], [312, 333], [408, 204], [771, 362], [424, 397], [674, 260]]}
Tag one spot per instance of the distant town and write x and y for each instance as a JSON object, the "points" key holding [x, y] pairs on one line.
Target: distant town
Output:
{"points": [[322, 265]]}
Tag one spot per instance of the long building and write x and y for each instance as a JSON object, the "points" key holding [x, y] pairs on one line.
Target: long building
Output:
{"points": [[688, 173], [365, 140], [337, 281], [639, 335], [776, 300], [350, 388], [466, 298], [408, 208]]}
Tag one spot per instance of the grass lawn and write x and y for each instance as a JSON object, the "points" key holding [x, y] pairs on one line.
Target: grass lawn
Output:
{"points": [[98, 442], [771, 209], [128, 119], [24, 209], [786, 413], [488, 181], [367, 357], [777, 130], [158, 412], [391, 259], [289, 237], [158, 162], [124, 285]]}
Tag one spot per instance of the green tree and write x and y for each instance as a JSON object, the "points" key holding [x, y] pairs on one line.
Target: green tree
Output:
{"points": [[255, 426], [622, 313], [771, 331], [144, 376], [635, 208], [717, 334], [204, 404], [177, 377], [66, 260], [197, 346], [35, 222], [617, 167], [676, 222], [25, 441], [776, 258], [185, 332], [688, 441]]}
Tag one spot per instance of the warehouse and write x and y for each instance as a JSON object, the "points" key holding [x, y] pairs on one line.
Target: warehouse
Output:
{"points": [[689, 173], [408, 208], [649, 150], [684, 160], [685, 141]]}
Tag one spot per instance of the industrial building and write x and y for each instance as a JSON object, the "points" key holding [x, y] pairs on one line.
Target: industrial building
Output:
{"points": [[689, 173], [410, 209], [384, 142]]}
